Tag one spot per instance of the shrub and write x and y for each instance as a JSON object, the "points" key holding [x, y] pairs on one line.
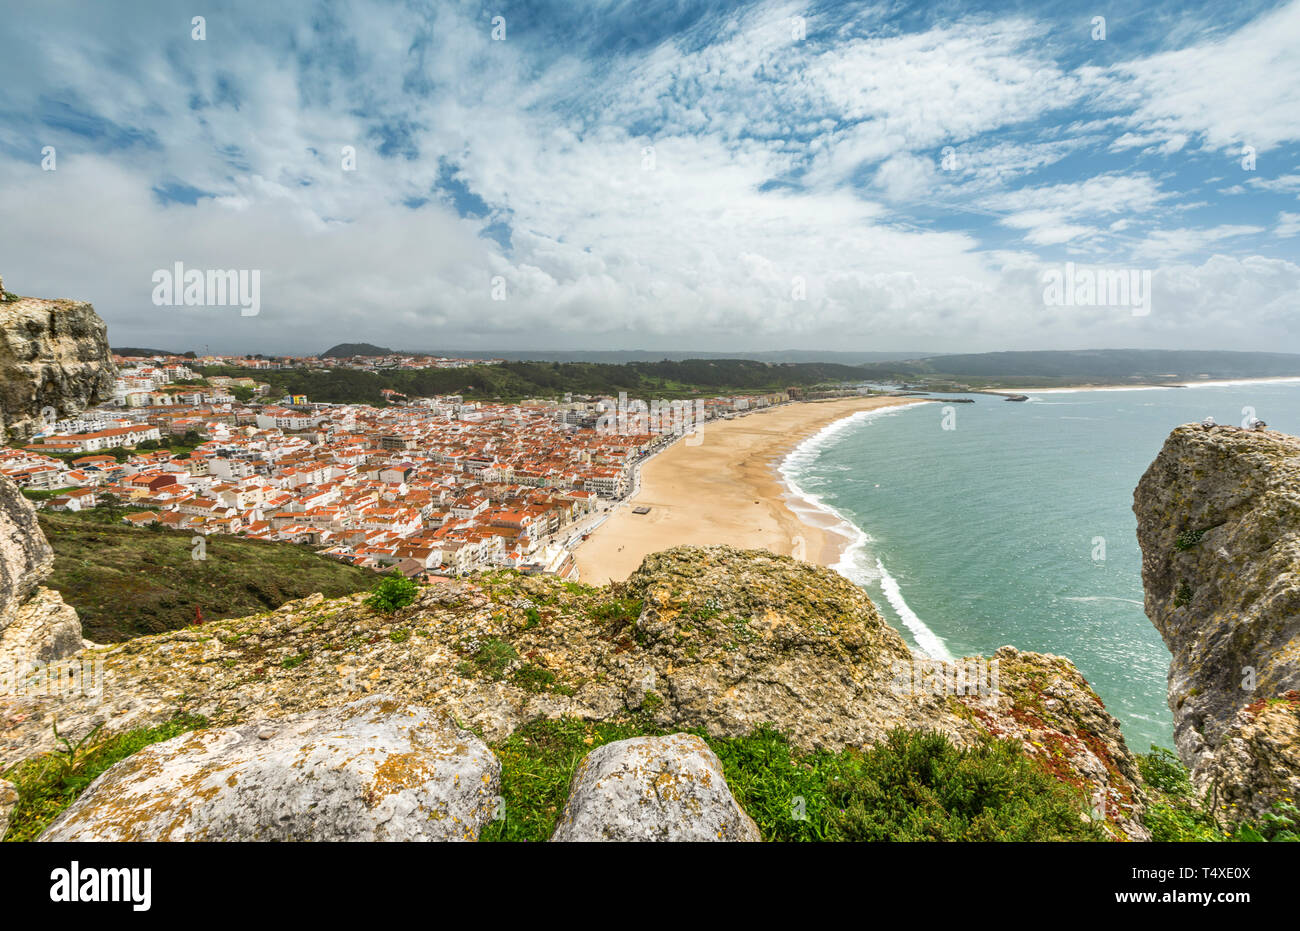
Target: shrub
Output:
{"points": [[1177, 815], [917, 786], [912, 786], [393, 591]]}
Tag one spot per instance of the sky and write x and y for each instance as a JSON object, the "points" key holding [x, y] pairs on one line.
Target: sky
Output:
{"points": [[657, 175]]}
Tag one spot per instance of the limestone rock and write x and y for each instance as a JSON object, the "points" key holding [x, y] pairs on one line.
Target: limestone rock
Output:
{"points": [[52, 354], [715, 638], [43, 629], [1258, 760], [1219, 525], [373, 770], [35, 623], [653, 789], [26, 557], [8, 800]]}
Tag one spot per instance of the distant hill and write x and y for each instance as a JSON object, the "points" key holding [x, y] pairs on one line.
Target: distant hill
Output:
{"points": [[348, 350], [621, 356], [511, 379], [1152, 364]]}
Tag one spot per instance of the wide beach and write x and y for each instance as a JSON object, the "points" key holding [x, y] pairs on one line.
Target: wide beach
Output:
{"points": [[724, 489]]}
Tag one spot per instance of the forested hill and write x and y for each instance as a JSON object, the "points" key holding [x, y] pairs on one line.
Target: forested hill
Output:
{"points": [[512, 380], [668, 379], [348, 350]]}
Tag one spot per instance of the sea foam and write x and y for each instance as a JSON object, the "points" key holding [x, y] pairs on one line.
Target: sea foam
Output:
{"points": [[855, 563]]}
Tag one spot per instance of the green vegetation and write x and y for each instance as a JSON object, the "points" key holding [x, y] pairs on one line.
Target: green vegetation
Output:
{"points": [[517, 380], [127, 581], [1188, 539], [488, 659], [44, 494], [48, 784], [393, 592], [912, 786], [513, 380], [1176, 814], [1182, 595]]}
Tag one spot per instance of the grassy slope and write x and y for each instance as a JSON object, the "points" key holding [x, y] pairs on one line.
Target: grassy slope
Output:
{"points": [[127, 581]]}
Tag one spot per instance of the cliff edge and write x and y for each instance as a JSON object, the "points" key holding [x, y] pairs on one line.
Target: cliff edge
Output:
{"points": [[1219, 525], [36, 626], [53, 354], [714, 638]]}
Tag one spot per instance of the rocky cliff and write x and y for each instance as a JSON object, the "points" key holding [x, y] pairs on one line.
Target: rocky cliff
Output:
{"points": [[53, 354], [35, 624], [711, 638], [1219, 525]]}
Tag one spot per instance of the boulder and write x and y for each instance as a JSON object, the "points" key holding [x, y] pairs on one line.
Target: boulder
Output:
{"points": [[653, 789], [373, 770]]}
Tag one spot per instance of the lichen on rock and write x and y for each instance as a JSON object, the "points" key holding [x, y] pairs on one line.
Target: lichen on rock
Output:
{"points": [[374, 770], [653, 789], [710, 638], [53, 354], [1219, 525]]}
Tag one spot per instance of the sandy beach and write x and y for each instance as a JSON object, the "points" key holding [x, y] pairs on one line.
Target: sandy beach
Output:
{"points": [[724, 490]]}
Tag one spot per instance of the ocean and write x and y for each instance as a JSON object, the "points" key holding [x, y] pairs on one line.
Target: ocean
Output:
{"points": [[980, 525]]}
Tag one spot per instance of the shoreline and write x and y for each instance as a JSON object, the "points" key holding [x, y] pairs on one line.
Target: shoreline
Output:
{"points": [[728, 489], [1149, 386]]}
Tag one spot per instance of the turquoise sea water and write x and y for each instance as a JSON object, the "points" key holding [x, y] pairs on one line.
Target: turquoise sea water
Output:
{"points": [[1016, 526]]}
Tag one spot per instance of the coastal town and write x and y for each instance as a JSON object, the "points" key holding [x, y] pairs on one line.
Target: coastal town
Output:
{"points": [[431, 487]]}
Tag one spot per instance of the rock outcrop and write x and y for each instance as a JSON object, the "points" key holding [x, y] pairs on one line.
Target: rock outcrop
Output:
{"points": [[53, 355], [653, 789], [373, 770], [36, 626], [1219, 525], [8, 801], [713, 638]]}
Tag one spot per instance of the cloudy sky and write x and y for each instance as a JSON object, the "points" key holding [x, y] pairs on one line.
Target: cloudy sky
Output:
{"points": [[658, 175]]}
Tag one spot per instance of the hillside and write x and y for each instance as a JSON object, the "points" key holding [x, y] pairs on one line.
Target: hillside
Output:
{"points": [[516, 380], [348, 350], [128, 581], [714, 639], [666, 378]]}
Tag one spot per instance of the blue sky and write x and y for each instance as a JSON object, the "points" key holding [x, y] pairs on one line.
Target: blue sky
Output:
{"points": [[658, 175]]}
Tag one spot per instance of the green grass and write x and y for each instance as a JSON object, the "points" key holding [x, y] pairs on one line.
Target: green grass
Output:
{"points": [[48, 784], [128, 581], [45, 494], [489, 659], [913, 786]]}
